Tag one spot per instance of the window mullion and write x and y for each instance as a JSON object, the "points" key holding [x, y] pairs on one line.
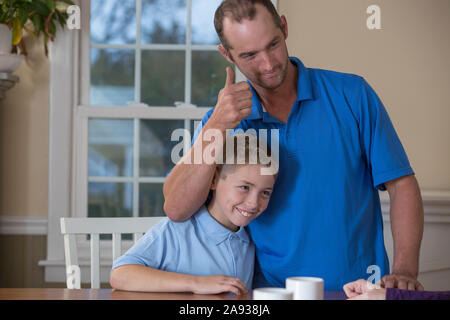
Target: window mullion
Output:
{"points": [[188, 67], [136, 155], [138, 53]]}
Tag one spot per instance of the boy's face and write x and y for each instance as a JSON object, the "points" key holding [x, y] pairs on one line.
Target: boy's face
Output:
{"points": [[241, 193]]}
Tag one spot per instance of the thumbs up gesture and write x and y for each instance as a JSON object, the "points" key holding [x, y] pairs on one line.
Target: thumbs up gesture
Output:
{"points": [[233, 103]]}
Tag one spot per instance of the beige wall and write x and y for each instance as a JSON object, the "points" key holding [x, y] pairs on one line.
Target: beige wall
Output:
{"points": [[407, 62], [24, 138]]}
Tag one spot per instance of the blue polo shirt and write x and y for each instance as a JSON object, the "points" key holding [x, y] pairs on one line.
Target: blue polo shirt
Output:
{"points": [[198, 246], [336, 150]]}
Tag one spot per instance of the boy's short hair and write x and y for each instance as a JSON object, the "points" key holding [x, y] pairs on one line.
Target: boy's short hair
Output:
{"points": [[243, 149]]}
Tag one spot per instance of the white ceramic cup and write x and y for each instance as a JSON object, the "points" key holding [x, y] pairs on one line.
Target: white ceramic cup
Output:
{"points": [[272, 294], [305, 288]]}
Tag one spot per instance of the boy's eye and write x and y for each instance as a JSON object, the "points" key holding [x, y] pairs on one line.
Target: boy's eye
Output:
{"points": [[245, 188]]}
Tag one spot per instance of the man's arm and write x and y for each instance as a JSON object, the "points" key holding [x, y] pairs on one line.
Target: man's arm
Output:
{"points": [[187, 186], [134, 277], [407, 228]]}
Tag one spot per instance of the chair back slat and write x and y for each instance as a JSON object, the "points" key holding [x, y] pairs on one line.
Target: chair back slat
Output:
{"points": [[116, 246], [95, 261], [137, 236], [95, 227]]}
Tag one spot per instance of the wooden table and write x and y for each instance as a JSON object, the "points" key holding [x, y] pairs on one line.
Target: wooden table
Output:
{"points": [[110, 294]]}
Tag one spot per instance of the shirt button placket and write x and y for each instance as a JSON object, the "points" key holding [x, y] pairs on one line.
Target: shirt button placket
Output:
{"points": [[234, 247]]}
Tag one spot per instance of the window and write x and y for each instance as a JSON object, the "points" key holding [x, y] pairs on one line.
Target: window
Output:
{"points": [[145, 57]]}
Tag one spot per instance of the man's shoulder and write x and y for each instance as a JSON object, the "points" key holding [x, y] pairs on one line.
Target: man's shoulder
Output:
{"points": [[336, 78]]}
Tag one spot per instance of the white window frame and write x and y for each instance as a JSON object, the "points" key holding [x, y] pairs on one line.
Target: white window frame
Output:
{"points": [[68, 133]]}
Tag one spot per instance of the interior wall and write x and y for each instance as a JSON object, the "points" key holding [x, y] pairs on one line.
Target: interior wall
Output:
{"points": [[406, 62], [24, 138]]}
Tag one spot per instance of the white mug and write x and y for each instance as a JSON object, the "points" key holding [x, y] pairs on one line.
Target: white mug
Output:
{"points": [[305, 288], [272, 294]]}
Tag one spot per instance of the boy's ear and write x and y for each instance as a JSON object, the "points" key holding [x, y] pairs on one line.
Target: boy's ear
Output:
{"points": [[215, 180]]}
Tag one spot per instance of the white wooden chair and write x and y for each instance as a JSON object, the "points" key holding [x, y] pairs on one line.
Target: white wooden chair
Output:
{"points": [[70, 227]]}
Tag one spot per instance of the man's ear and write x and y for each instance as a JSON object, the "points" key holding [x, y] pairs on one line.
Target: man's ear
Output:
{"points": [[284, 25], [225, 53]]}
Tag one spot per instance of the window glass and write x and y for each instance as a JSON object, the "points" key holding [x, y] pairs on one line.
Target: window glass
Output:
{"points": [[163, 75], [156, 146], [110, 148], [110, 199], [113, 21], [203, 31], [112, 77], [163, 22], [207, 67]]}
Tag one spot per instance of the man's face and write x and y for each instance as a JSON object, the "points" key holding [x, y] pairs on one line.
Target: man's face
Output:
{"points": [[241, 194], [258, 49]]}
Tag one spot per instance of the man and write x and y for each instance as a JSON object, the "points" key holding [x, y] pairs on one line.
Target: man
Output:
{"points": [[337, 149]]}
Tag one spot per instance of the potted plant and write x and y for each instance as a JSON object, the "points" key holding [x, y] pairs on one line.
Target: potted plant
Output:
{"points": [[34, 17]]}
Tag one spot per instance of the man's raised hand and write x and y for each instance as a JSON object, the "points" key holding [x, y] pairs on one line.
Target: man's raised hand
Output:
{"points": [[233, 103]]}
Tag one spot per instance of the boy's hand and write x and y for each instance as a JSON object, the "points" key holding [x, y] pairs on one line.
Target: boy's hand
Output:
{"points": [[218, 284], [233, 103]]}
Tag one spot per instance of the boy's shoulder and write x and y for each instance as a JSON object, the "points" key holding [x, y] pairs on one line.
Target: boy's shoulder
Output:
{"points": [[167, 227]]}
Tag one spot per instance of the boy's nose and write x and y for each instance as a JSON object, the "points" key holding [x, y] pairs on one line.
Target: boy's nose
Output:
{"points": [[252, 202]]}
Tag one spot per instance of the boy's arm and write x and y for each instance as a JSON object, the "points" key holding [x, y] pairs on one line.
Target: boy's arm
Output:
{"points": [[133, 277]]}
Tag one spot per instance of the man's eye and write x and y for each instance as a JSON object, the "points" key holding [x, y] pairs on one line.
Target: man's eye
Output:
{"points": [[266, 193], [274, 44]]}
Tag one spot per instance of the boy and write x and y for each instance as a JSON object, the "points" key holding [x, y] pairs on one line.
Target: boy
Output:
{"points": [[211, 252]]}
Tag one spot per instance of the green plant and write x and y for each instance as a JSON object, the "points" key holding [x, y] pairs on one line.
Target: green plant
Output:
{"points": [[34, 17]]}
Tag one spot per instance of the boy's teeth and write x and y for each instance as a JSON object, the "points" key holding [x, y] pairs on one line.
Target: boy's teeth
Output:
{"points": [[243, 212]]}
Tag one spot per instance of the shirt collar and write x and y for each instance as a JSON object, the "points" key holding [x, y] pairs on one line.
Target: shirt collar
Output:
{"points": [[304, 89], [214, 230]]}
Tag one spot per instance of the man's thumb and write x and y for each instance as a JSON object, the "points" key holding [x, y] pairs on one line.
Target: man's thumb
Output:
{"points": [[231, 77]]}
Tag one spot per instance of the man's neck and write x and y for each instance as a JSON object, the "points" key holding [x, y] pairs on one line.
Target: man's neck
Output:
{"points": [[278, 102]]}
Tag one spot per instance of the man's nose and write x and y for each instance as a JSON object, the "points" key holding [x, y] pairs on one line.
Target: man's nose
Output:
{"points": [[266, 62]]}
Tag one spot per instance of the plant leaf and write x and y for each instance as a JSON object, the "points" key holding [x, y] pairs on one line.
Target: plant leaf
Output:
{"points": [[40, 7], [16, 32]]}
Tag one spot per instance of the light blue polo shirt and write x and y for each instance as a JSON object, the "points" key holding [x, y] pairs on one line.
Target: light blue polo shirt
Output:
{"points": [[199, 246], [337, 149]]}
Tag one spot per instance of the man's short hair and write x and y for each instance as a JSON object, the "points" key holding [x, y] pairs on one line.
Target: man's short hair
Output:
{"points": [[237, 10]]}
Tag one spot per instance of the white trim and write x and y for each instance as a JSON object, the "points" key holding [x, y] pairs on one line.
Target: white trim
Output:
{"points": [[436, 206], [23, 225], [142, 112], [128, 179], [62, 89]]}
